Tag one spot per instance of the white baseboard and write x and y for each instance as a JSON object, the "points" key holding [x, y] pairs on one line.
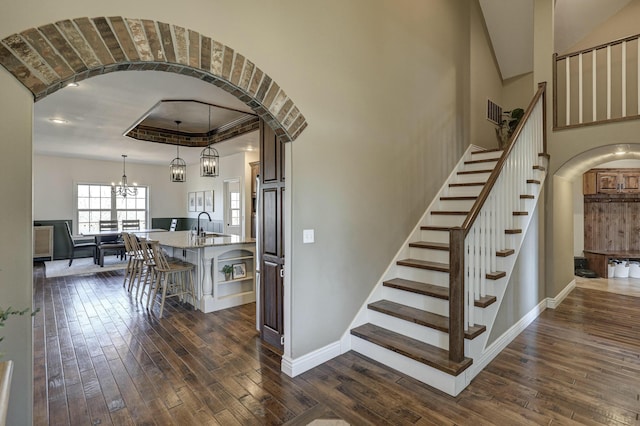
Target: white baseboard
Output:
{"points": [[506, 338], [292, 367], [554, 302]]}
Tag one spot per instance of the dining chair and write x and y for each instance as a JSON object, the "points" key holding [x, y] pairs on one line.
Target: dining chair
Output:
{"points": [[78, 246], [173, 279], [130, 224], [110, 242]]}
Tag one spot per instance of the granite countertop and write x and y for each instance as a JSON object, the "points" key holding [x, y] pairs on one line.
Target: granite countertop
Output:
{"points": [[184, 239]]}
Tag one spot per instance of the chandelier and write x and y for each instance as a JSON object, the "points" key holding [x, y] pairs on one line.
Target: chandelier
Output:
{"points": [[178, 167], [123, 189], [209, 158]]}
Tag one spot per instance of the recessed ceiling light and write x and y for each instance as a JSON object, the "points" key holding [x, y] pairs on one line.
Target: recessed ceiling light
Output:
{"points": [[620, 152], [249, 148], [73, 84], [58, 120]]}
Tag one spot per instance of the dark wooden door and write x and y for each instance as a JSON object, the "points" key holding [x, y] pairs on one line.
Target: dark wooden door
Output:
{"points": [[272, 247]]}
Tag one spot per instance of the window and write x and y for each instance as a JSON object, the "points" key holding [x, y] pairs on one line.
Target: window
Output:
{"points": [[96, 203]]}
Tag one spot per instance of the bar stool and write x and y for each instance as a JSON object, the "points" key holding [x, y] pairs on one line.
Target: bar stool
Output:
{"points": [[149, 264], [134, 260], [174, 279]]}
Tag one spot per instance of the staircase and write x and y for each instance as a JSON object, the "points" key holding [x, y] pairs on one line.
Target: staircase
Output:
{"points": [[483, 211]]}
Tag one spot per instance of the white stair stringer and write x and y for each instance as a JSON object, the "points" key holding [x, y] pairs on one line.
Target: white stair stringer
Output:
{"points": [[479, 351]]}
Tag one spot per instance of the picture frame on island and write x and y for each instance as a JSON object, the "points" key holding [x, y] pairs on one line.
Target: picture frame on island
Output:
{"points": [[239, 270]]}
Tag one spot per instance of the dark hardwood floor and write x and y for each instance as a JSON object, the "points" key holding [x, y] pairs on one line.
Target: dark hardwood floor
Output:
{"points": [[101, 358]]}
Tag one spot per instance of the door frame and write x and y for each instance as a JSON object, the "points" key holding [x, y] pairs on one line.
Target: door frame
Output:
{"points": [[225, 204]]}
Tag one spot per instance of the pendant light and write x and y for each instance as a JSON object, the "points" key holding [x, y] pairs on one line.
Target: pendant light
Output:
{"points": [[123, 189], [178, 167], [209, 158]]}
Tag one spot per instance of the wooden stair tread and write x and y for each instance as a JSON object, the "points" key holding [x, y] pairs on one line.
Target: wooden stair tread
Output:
{"points": [[430, 245], [541, 168], [449, 213], [420, 317], [473, 172], [513, 231], [521, 213], [431, 290], [485, 301], [527, 197], [505, 252], [459, 184], [435, 228], [486, 160], [460, 198], [419, 351], [424, 264], [496, 275], [484, 151], [417, 287], [537, 182], [544, 154]]}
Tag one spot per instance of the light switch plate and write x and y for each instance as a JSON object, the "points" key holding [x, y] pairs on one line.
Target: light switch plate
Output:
{"points": [[308, 236]]}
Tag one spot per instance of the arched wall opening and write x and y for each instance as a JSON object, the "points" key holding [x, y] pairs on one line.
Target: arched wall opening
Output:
{"points": [[568, 199], [47, 58]]}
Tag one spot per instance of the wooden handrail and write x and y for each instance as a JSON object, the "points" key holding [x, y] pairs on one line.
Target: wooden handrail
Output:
{"points": [[600, 46], [457, 235], [6, 371]]}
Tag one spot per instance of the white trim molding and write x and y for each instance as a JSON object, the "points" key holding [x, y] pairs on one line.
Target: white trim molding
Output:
{"points": [[293, 367], [554, 302]]}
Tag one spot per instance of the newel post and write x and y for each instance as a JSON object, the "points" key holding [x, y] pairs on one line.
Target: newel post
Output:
{"points": [[456, 294]]}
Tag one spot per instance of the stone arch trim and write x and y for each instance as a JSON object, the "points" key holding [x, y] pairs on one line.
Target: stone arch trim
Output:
{"points": [[47, 58]]}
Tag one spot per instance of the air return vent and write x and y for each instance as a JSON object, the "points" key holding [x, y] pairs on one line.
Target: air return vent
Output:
{"points": [[494, 112]]}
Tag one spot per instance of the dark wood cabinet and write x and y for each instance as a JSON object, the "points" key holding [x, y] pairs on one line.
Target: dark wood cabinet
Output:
{"points": [[271, 230], [611, 181]]}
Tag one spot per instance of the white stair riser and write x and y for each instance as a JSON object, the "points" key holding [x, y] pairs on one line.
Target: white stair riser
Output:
{"points": [[418, 301], [429, 254], [460, 205], [410, 329], [486, 155], [434, 236], [461, 191], [473, 177], [423, 275], [480, 166], [446, 220], [435, 378]]}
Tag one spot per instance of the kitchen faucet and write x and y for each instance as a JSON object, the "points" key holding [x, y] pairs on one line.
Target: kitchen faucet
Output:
{"points": [[198, 231]]}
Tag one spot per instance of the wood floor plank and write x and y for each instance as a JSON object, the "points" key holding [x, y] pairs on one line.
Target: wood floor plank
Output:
{"points": [[101, 358]]}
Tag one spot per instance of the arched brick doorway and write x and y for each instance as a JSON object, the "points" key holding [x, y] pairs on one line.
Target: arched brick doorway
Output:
{"points": [[47, 58]]}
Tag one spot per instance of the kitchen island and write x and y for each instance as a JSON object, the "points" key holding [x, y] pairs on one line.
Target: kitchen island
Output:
{"points": [[210, 253]]}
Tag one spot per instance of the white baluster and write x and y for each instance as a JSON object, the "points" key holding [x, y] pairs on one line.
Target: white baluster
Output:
{"points": [[580, 88], [624, 78], [568, 91], [608, 82], [593, 83]]}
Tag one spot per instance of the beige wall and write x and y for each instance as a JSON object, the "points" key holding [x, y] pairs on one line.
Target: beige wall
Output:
{"points": [[16, 112], [622, 24], [486, 82], [518, 91]]}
